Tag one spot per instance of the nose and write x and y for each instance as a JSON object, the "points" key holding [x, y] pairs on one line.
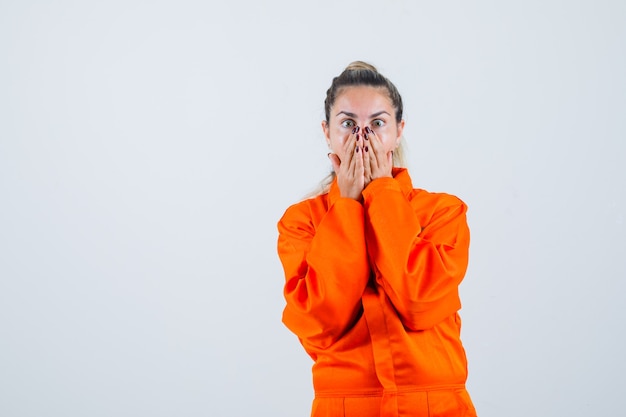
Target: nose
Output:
{"points": [[363, 127]]}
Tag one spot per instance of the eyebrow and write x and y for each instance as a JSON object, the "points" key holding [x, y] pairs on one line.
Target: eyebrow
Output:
{"points": [[354, 115]]}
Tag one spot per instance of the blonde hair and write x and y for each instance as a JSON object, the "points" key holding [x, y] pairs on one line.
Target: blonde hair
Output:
{"points": [[356, 74]]}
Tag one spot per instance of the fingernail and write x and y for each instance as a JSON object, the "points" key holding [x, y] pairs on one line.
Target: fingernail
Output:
{"points": [[367, 129], [357, 137], [357, 149], [365, 136], [366, 148], [358, 128], [354, 130]]}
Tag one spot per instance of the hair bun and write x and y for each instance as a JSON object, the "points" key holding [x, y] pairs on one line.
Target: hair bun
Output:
{"points": [[360, 66]]}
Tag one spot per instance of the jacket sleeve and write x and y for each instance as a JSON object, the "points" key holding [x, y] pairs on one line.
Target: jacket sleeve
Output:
{"points": [[418, 265], [326, 270]]}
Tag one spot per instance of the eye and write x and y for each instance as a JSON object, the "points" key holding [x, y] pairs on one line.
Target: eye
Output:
{"points": [[348, 123], [378, 123]]}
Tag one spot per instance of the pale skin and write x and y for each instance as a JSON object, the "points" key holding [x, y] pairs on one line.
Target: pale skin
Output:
{"points": [[362, 134]]}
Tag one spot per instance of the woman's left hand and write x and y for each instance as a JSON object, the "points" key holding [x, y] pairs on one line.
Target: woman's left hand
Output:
{"points": [[376, 161]]}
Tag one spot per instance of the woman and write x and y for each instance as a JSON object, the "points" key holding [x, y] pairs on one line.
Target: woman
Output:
{"points": [[373, 266]]}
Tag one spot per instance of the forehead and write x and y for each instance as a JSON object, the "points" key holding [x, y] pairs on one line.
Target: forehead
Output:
{"points": [[363, 100]]}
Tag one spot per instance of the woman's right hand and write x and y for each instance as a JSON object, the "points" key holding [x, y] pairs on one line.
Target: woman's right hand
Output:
{"points": [[350, 171]]}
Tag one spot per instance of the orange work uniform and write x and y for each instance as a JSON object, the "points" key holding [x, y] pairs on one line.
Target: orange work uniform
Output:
{"points": [[372, 294]]}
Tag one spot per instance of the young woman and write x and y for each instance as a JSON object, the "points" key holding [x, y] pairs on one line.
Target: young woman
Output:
{"points": [[373, 266]]}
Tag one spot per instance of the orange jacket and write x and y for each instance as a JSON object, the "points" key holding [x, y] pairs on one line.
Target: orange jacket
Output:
{"points": [[372, 289]]}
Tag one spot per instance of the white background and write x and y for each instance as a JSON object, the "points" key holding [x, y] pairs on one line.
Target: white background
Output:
{"points": [[148, 148]]}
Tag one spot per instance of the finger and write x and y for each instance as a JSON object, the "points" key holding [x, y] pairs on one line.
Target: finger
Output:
{"points": [[381, 160], [352, 138], [367, 161], [351, 155], [374, 142], [370, 147], [358, 163], [357, 158], [350, 145], [334, 160], [381, 156]]}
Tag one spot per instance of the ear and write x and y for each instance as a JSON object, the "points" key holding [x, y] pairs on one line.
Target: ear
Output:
{"points": [[400, 130], [326, 131]]}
